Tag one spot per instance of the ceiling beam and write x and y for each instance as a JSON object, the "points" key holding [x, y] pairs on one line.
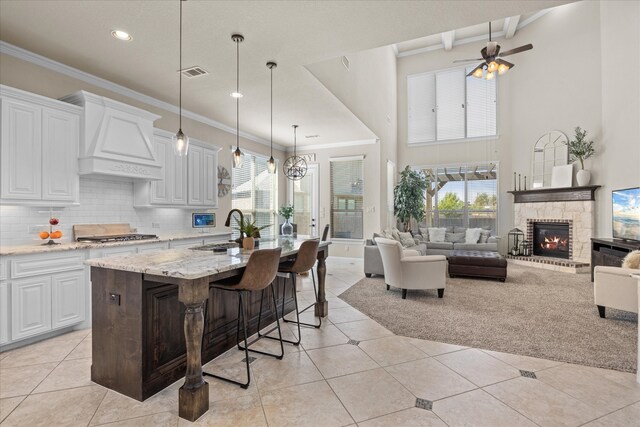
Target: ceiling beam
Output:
{"points": [[511, 25], [448, 38]]}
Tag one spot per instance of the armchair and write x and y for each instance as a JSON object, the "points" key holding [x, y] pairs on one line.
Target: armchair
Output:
{"points": [[408, 271], [614, 287]]}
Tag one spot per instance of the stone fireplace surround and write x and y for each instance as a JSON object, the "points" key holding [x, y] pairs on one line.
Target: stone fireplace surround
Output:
{"points": [[579, 215]]}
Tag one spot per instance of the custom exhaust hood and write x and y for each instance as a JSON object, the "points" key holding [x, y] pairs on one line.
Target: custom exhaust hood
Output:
{"points": [[116, 139]]}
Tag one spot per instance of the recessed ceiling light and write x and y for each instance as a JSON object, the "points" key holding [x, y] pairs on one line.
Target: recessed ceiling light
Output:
{"points": [[121, 35], [236, 95]]}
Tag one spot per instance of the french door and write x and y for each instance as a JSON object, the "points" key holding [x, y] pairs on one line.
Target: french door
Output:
{"points": [[303, 194]]}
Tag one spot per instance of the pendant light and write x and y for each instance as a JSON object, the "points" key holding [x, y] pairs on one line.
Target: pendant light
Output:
{"points": [[180, 140], [237, 155], [295, 167], [271, 164]]}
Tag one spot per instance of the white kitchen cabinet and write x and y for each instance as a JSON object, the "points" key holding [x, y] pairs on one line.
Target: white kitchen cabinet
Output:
{"points": [[210, 173], [21, 150], [172, 188], [39, 149], [195, 185], [68, 298], [30, 306], [4, 312]]}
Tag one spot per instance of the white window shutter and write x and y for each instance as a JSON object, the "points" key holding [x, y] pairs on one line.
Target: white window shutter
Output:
{"points": [[421, 97], [450, 100]]}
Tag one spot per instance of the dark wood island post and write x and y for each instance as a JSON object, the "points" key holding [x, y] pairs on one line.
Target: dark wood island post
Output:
{"points": [[322, 306], [193, 396]]}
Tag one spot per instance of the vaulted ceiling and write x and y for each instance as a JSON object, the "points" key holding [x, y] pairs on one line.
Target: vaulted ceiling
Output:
{"points": [[293, 33]]}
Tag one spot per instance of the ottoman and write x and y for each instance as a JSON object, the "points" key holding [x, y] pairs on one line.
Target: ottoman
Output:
{"points": [[477, 264]]}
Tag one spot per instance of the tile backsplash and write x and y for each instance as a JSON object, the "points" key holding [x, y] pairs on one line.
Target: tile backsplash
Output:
{"points": [[101, 202]]}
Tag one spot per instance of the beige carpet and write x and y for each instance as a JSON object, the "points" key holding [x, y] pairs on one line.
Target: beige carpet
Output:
{"points": [[536, 312]]}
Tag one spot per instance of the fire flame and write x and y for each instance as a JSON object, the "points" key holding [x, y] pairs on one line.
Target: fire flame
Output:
{"points": [[554, 243]]}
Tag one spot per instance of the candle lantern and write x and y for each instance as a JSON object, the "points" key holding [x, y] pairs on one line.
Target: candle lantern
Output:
{"points": [[525, 250], [514, 238]]}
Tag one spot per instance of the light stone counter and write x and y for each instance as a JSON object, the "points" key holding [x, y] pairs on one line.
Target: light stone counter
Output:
{"points": [[188, 263], [38, 248]]}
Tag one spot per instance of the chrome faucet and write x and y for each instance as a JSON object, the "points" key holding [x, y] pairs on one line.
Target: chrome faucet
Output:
{"points": [[227, 223]]}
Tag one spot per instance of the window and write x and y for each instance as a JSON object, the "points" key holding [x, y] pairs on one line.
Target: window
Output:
{"points": [[255, 192], [447, 105], [347, 188], [463, 196]]}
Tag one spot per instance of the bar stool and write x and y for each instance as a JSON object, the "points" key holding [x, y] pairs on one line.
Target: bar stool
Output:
{"points": [[259, 273], [307, 255]]}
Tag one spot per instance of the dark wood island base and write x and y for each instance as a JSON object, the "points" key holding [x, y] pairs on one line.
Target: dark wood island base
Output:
{"points": [[151, 330]]}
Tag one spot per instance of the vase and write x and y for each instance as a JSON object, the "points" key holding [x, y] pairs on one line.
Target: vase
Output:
{"points": [[248, 243], [287, 228], [583, 177]]}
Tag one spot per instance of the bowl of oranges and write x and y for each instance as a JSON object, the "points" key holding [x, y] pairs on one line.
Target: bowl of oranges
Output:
{"points": [[52, 234]]}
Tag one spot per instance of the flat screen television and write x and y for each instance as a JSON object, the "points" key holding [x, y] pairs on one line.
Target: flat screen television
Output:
{"points": [[626, 213], [203, 220]]}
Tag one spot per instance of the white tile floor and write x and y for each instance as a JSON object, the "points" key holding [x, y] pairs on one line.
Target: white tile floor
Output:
{"points": [[329, 382]]}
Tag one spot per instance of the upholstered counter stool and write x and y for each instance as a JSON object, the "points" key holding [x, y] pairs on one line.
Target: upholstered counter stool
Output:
{"points": [[304, 261], [258, 275]]}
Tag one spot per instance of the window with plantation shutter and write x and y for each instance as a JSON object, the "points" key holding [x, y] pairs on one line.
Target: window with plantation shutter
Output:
{"points": [[447, 105], [255, 192], [347, 189]]}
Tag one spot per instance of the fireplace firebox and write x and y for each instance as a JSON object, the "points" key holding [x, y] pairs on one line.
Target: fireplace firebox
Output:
{"points": [[551, 239]]}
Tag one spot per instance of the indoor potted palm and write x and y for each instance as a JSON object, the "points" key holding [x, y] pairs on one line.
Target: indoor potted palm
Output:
{"points": [[287, 213], [409, 197], [581, 149], [251, 232]]}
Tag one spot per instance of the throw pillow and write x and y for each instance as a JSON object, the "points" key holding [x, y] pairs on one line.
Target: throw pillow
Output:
{"points": [[632, 260], [472, 235], [395, 233], [437, 234], [454, 237], [377, 235], [425, 234], [457, 229], [406, 239], [484, 236]]}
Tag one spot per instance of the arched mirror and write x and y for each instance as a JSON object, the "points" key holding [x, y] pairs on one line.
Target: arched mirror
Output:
{"points": [[550, 150]]}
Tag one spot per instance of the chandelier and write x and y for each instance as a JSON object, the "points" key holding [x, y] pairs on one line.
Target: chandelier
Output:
{"points": [[295, 167]]}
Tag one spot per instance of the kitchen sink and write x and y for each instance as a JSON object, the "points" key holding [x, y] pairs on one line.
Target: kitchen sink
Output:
{"points": [[216, 247]]}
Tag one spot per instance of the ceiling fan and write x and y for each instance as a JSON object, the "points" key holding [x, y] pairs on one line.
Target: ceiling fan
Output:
{"points": [[492, 58]]}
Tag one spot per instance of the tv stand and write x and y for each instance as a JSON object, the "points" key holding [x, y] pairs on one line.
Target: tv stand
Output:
{"points": [[610, 252]]}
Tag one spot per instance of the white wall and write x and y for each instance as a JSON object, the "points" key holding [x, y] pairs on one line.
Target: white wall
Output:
{"points": [[617, 164], [36, 79], [555, 86], [369, 90]]}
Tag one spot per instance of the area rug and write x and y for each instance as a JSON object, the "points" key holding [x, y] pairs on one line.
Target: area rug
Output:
{"points": [[536, 312]]}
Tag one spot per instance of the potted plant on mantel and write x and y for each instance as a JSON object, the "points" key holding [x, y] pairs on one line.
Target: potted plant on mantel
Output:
{"points": [[409, 197], [251, 232], [581, 149]]}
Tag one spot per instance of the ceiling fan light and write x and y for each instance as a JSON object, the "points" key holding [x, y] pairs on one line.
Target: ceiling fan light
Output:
{"points": [[478, 73], [493, 66], [503, 69], [490, 76]]}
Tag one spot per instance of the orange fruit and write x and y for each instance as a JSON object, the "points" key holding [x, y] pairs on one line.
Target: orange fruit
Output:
{"points": [[44, 234], [56, 234]]}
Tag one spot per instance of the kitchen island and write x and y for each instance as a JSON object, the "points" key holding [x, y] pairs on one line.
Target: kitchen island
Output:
{"points": [[156, 318]]}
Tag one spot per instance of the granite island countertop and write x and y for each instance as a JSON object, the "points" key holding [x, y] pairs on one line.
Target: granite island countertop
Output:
{"points": [[69, 246], [191, 264]]}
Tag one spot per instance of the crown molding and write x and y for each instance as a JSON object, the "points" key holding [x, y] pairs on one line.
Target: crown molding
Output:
{"points": [[335, 145], [43, 61]]}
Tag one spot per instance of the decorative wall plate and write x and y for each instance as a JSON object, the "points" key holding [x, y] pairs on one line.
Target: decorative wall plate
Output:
{"points": [[224, 181]]}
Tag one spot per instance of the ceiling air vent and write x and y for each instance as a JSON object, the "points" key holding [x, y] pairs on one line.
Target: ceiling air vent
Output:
{"points": [[192, 72], [312, 136], [345, 62]]}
